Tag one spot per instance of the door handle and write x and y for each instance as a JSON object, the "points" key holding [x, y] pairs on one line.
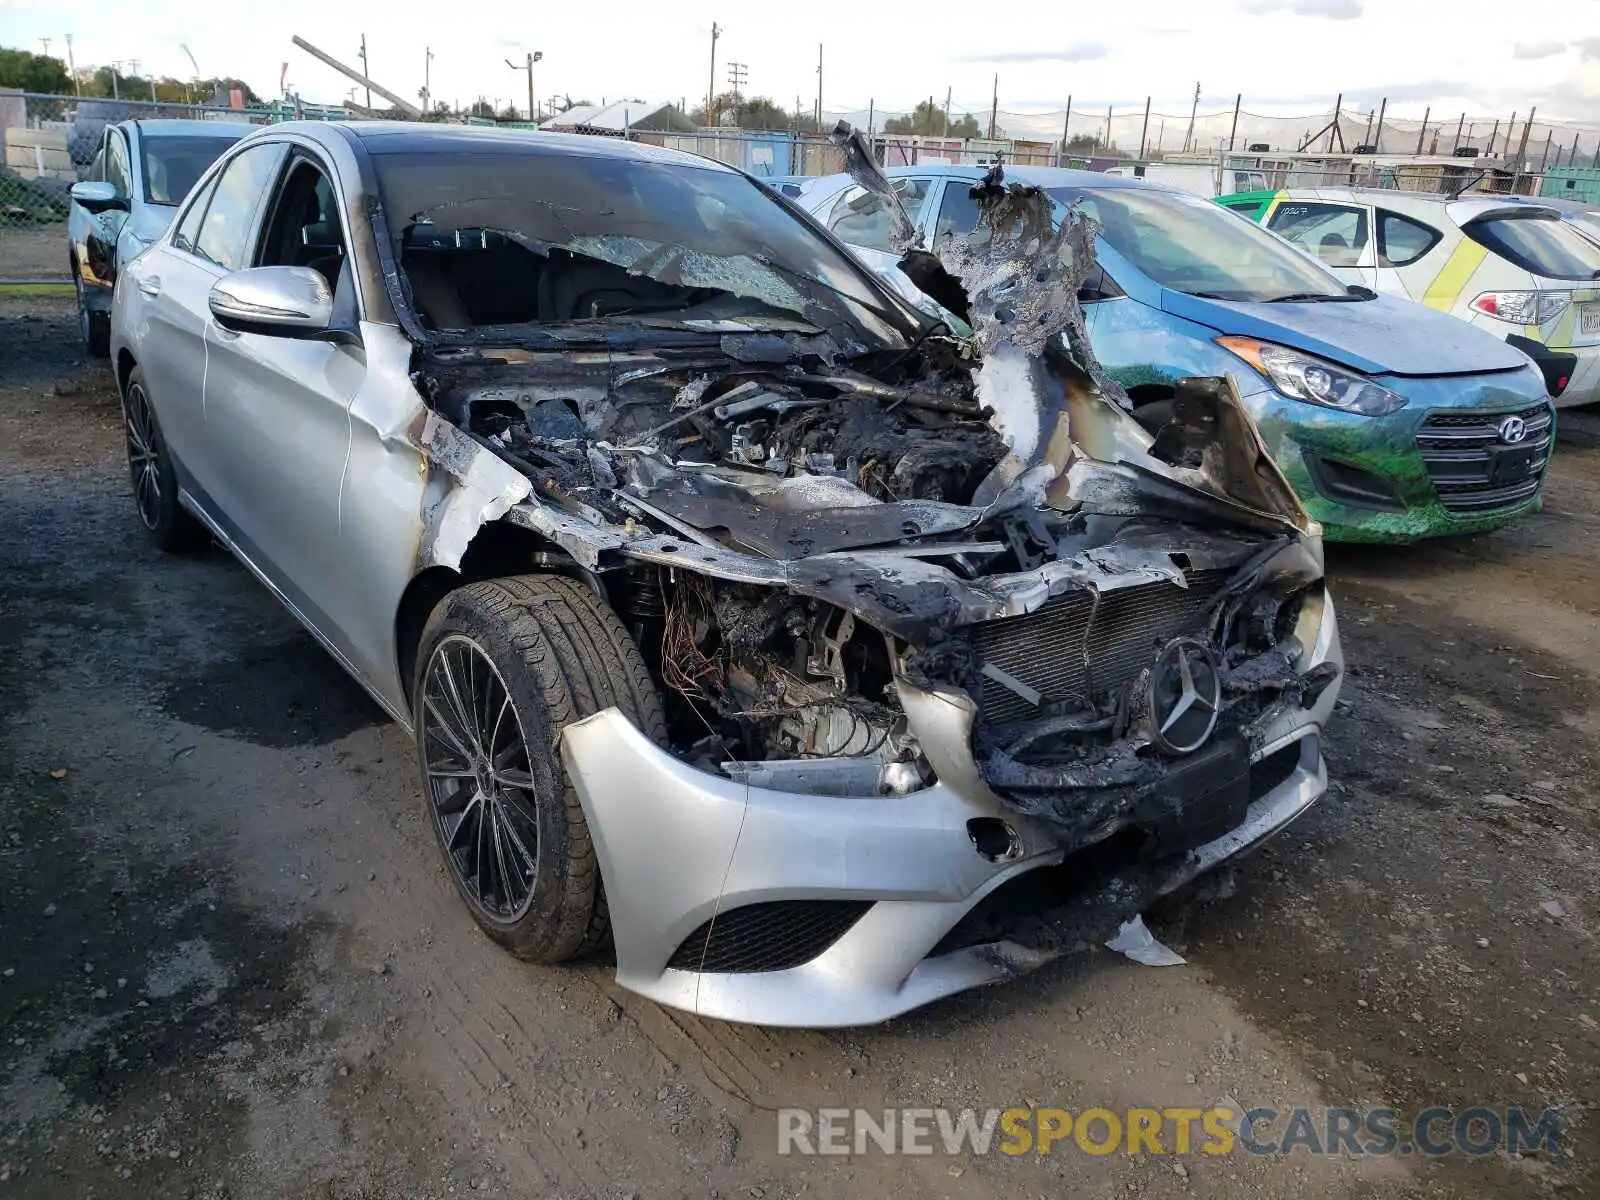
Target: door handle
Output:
{"points": [[150, 285]]}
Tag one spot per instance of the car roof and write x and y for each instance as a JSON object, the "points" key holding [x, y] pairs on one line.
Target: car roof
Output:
{"points": [[1558, 204], [1396, 197], [166, 127], [423, 137], [1044, 177]]}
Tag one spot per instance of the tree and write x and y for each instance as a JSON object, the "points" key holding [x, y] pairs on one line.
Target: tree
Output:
{"points": [[1088, 145], [928, 119], [481, 108], [762, 113], [34, 72], [508, 113]]}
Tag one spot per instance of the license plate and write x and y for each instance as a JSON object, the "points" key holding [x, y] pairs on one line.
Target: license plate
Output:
{"points": [[1513, 464], [1589, 319]]}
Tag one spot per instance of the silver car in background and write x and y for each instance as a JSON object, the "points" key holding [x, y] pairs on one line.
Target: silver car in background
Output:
{"points": [[822, 662], [124, 199]]}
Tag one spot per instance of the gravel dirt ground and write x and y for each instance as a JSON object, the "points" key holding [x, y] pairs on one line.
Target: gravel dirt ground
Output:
{"points": [[230, 965], [34, 252]]}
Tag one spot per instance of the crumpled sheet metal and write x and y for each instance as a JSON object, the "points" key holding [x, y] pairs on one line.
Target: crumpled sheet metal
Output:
{"points": [[862, 166]]}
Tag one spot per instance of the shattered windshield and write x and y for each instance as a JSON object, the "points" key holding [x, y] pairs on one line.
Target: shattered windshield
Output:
{"points": [[510, 236], [1191, 245]]}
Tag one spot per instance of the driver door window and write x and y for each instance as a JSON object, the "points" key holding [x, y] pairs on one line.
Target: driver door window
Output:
{"points": [[861, 218], [1335, 233], [303, 227]]}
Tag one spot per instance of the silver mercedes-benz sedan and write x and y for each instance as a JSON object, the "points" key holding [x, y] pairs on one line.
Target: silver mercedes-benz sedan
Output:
{"points": [[817, 659]]}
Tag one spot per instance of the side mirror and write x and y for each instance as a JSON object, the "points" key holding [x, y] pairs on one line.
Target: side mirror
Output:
{"points": [[293, 302], [98, 197]]}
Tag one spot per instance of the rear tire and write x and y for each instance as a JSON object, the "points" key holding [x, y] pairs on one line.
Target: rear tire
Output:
{"points": [[171, 527], [94, 327], [503, 666]]}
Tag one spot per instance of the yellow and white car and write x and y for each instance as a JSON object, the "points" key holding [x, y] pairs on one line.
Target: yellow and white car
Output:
{"points": [[1508, 265]]}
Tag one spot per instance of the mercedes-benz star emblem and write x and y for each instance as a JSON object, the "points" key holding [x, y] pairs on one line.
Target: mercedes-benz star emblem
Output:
{"points": [[1513, 430], [1185, 696]]}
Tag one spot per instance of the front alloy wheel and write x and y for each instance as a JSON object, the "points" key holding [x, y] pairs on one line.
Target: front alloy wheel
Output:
{"points": [[476, 763], [503, 666]]}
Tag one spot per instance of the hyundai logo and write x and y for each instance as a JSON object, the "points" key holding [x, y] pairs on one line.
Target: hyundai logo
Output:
{"points": [[1513, 430], [1185, 696]]}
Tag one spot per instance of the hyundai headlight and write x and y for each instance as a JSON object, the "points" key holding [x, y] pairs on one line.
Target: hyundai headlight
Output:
{"points": [[1315, 380]]}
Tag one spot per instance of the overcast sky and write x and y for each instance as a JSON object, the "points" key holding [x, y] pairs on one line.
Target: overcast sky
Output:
{"points": [[1487, 56]]}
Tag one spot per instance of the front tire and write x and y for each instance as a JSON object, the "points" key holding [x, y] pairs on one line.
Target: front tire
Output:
{"points": [[94, 327], [503, 667], [171, 527]]}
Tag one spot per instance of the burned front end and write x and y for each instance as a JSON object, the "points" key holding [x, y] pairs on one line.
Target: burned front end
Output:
{"points": [[962, 664]]}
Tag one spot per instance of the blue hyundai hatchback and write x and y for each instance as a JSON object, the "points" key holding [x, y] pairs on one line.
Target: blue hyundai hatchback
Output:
{"points": [[1393, 422]]}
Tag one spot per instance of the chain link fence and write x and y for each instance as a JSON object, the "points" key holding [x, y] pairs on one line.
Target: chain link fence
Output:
{"points": [[49, 143]]}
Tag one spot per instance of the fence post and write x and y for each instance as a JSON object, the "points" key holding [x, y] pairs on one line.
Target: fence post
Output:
{"points": [[1377, 137], [872, 105], [1493, 133], [1144, 130], [1544, 159], [1511, 128], [1233, 132], [1333, 125], [1423, 132], [1456, 145], [1522, 146], [1066, 125], [1573, 156]]}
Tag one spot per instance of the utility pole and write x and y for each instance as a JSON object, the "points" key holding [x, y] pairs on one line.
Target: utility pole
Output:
{"points": [[994, 108], [1377, 134], [1144, 130], [1238, 100], [738, 73], [1066, 127], [711, 85], [1194, 110], [527, 65], [1423, 133], [1108, 129], [427, 77], [1522, 146], [1510, 129], [947, 112], [1460, 125], [364, 69], [819, 87], [45, 42], [72, 69]]}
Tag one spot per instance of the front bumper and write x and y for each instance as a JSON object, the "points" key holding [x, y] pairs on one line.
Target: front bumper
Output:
{"points": [[677, 846], [1365, 479]]}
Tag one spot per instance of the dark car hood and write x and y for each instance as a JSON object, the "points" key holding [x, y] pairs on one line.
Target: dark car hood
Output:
{"points": [[1382, 336]]}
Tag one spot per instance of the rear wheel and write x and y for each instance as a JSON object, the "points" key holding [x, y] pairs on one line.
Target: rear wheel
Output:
{"points": [[94, 327], [503, 667], [155, 484]]}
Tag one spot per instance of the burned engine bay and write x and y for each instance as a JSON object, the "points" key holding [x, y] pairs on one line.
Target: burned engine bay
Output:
{"points": [[797, 532]]}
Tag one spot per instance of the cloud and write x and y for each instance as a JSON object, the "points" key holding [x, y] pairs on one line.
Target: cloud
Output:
{"points": [[1545, 49], [1588, 47], [1334, 10], [1082, 52]]}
